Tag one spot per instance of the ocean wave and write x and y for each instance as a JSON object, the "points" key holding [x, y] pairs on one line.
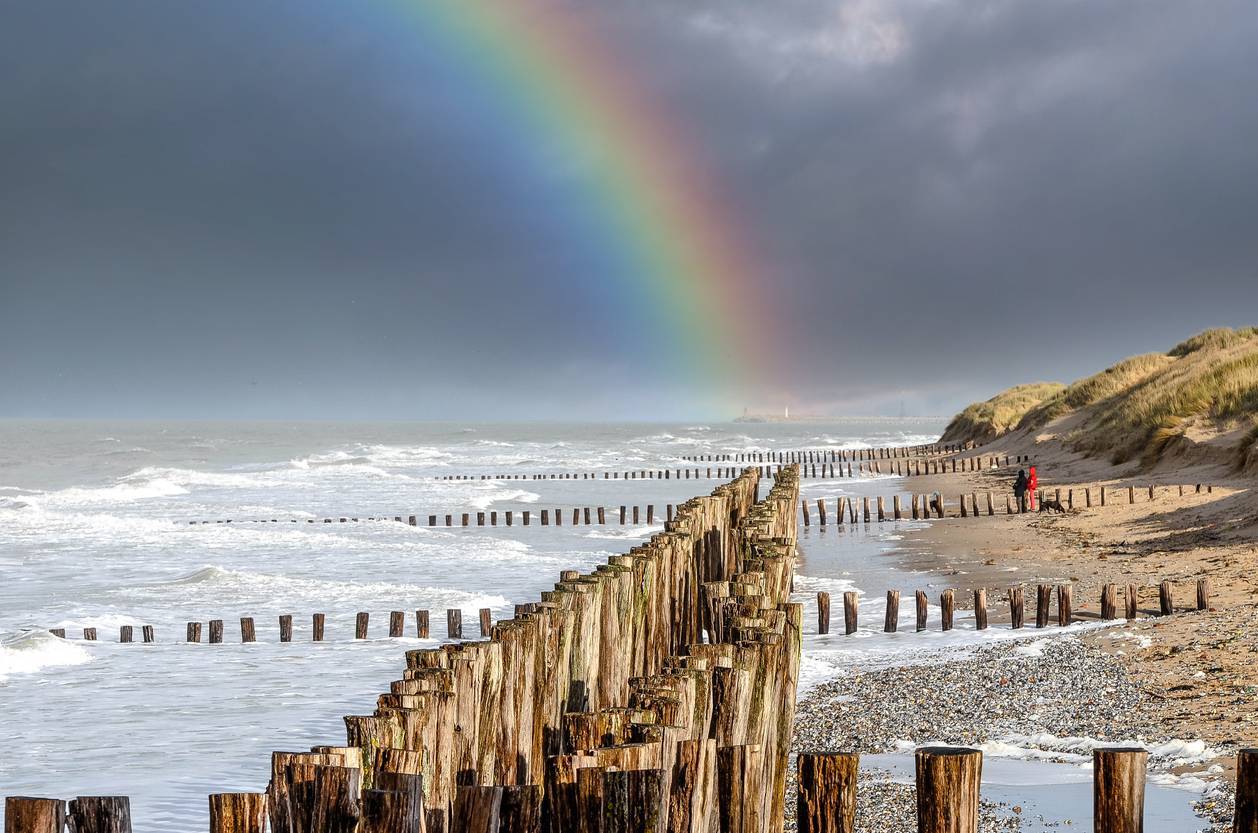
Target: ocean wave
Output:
{"points": [[484, 501], [31, 651], [241, 584]]}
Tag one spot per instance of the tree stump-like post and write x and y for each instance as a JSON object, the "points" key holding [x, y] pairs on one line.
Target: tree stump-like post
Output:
{"points": [[360, 624], [891, 621], [486, 621], [126, 633], [194, 632], [317, 623], [896, 512], [1016, 607], [1064, 604], [980, 609], [1203, 594], [397, 623], [1118, 790], [826, 799], [286, 627], [1043, 604], [100, 814], [421, 624], [1109, 602], [922, 608], [823, 612], [216, 631], [946, 605], [454, 623], [1132, 602], [633, 801], [849, 612], [248, 633], [1245, 814], [882, 512], [237, 813], [34, 815], [947, 789], [1165, 601]]}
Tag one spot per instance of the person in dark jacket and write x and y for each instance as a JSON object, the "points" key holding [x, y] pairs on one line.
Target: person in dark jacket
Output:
{"points": [[1020, 489]]}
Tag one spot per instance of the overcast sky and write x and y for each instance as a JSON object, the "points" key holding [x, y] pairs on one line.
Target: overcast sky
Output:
{"points": [[284, 209]]}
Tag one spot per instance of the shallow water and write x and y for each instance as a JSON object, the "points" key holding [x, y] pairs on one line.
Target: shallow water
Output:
{"points": [[94, 532]]}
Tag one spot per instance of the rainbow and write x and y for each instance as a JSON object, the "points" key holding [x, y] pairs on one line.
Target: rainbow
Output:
{"points": [[685, 254]]}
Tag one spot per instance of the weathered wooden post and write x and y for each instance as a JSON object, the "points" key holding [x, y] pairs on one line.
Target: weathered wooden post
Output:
{"points": [[486, 621], [1118, 789], [90, 633], [882, 512], [602, 514], [216, 631], [34, 815], [1043, 604], [803, 504], [633, 801], [921, 610], [1133, 601], [826, 800], [397, 623], [865, 508], [360, 624], [947, 789], [849, 612], [991, 506], [1164, 598], [193, 635], [821, 511], [1109, 602], [454, 623], [1016, 607], [896, 512], [146, 632], [421, 624], [635, 515], [525, 515], [1064, 604], [1131, 494], [823, 612], [740, 788], [946, 604], [100, 814], [1245, 814], [247, 631], [891, 621], [980, 609], [237, 813], [961, 505], [126, 633], [915, 503], [1203, 594], [317, 621]]}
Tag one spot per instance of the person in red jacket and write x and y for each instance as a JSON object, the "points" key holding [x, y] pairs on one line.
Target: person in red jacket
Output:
{"points": [[1031, 483]]}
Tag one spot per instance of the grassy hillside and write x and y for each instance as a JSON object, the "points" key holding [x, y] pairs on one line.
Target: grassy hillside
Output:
{"points": [[1141, 407], [985, 421]]}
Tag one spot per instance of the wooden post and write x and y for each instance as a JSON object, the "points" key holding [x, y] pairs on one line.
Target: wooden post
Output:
{"points": [[946, 604], [486, 621], [1203, 594], [100, 814], [602, 515], [633, 801], [865, 508], [891, 621], [146, 632], [454, 623], [821, 511], [126, 633], [1164, 598], [237, 813], [826, 800], [1131, 494], [317, 622], [216, 631], [803, 504], [525, 516], [1016, 607], [360, 624], [849, 612], [921, 610], [882, 512], [34, 815], [914, 503], [1064, 604], [980, 609], [247, 631], [421, 624], [1043, 604], [1109, 602], [397, 623], [961, 504], [1118, 789], [823, 612], [635, 515], [1133, 598], [991, 507], [90, 633], [1245, 815], [896, 513], [194, 632], [947, 789]]}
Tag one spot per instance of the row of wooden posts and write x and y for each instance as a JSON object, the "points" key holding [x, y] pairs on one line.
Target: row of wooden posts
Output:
{"points": [[248, 629], [947, 782], [807, 470], [1015, 597], [935, 506], [587, 515], [833, 455]]}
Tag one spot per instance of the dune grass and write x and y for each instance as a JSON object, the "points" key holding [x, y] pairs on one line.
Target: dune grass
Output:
{"points": [[985, 421]]}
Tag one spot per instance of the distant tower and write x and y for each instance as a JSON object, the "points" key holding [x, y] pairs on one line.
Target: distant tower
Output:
{"points": [[786, 412]]}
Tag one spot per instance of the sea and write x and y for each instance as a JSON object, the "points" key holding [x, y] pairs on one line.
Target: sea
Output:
{"points": [[105, 525]]}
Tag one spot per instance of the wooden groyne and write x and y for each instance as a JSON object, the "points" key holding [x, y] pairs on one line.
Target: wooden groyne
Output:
{"points": [[603, 703]]}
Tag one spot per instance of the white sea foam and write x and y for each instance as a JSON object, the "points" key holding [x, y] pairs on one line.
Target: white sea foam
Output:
{"points": [[31, 651]]}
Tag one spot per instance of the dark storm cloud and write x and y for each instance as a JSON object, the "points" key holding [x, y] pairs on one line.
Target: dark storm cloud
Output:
{"points": [[289, 209]]}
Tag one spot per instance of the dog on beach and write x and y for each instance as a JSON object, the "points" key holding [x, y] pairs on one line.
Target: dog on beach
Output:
{"points": [[1052, 505]]}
